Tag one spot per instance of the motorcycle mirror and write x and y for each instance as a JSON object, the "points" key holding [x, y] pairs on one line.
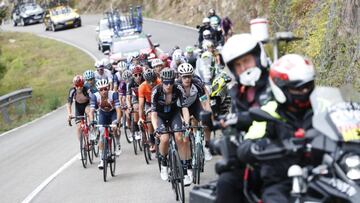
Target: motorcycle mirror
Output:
{"points": [[107, 52], [205, 117], [259, 115], [148, 35], [198, 26], [156, 45]]}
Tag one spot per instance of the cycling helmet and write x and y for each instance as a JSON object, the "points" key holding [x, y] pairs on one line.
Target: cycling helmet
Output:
{"points": [[177, 55], [121, 66], [149, 75], [206, 34], [78, 81], [189, 49], [97, 64], [126, 75], [207, 44], [185, 69], [211, 12], [89, 75], [137, 70], [167, 74], [102, 83], [206, 21], [106, 63], [129, 58], [157, 62], [292, 71]]}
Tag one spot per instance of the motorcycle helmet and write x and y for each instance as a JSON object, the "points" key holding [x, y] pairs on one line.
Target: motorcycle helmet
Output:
{"points": [[292, 80], [240, 45]]}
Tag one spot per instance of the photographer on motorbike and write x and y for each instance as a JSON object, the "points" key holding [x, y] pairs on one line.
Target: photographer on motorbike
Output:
{"points": [[247, 61], [291, 82]]}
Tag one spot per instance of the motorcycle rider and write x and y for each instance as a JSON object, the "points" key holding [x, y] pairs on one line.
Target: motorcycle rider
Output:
{"points": [[247, 61], [205, 26], [291, 81], [212, 15]]}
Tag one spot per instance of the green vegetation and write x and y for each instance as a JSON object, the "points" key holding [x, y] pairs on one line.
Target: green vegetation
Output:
{"points": [[45, 65]]}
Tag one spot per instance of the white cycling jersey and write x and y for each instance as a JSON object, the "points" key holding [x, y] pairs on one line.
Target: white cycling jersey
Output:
{"points": [[106, 75]]}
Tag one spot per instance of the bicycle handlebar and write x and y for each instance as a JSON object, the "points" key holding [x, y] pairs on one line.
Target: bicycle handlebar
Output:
{"points": [[74, 117], [106, 126]]}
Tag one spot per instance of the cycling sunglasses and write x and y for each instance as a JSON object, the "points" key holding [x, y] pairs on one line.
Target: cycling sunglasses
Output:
{"points": [[137, 75], [103, 89], [186, 76], [168, 82]]}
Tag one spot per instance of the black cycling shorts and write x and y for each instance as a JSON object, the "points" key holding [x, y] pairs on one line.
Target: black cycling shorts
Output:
{"points": [[195, 109], [107, 118], [80, 110], [174, 122]]}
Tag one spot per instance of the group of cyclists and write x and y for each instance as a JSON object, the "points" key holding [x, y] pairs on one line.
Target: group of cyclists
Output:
{"points": [[172, 90]]}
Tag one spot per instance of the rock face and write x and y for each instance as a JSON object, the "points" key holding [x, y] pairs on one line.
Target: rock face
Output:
{"points": [[330, 28]]}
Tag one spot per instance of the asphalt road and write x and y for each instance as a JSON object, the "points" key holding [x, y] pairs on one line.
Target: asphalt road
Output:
{"points": [[33, 153]]}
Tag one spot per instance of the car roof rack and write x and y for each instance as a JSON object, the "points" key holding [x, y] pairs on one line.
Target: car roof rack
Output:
{"points": [[125, 24]]}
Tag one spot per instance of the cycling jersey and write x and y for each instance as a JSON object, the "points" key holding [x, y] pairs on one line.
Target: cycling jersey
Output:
{"points": [[80, 98], [158, 104], [106, 75], [120, 83], [145, 90], [174, 65], [91, 89], [105, 105], [132, 90], [197, 90]]}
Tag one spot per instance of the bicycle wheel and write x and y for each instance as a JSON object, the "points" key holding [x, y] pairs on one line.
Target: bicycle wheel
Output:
{"points": [[89, 149], [94, 143], [140, 143], [112, 156], [133, 135], [145, 145], [105, 158], [199, 163], [172, 178], [83, 150], [127, 133], [178, 176]]}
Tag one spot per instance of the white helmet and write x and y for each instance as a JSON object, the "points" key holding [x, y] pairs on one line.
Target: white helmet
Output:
{"points": [[207, 44], [185, 69], [156, 62], [242, 44], [206, 20], [292, 71], [102, 83], [121, 66], [206, 33], [177, 55], [106, 63]]}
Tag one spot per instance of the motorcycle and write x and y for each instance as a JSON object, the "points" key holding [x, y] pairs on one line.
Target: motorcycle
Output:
{"points": [[336, 136]]}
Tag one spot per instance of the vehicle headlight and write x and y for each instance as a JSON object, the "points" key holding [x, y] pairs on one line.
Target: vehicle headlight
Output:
{"points": [[351, 164]]}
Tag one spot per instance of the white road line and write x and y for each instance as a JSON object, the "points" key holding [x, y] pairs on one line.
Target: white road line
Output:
{"points": [[49, 179]]}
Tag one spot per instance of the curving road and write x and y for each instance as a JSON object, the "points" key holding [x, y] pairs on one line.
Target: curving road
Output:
{"points": [[45, 150]]}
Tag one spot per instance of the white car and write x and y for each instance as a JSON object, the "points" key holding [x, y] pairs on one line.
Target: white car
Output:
{"points": [[104, 35]]}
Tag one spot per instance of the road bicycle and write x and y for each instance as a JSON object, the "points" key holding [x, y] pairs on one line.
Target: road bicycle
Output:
{"points": [[198, 157], [109, 156], [145, 138], [87, 146], [176, 171]]}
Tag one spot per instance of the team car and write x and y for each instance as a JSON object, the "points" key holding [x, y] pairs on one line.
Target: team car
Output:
{"points": [[61, 17], [27, 13]]}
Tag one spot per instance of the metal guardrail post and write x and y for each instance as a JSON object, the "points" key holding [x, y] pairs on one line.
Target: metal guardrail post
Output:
{"points": [[18, 97]]}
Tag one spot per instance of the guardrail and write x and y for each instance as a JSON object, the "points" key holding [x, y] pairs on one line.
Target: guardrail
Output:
{"points": [[18, 97]]}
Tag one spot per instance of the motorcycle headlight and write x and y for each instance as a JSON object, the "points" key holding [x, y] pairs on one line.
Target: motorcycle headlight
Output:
{"points": [[351, 164]]}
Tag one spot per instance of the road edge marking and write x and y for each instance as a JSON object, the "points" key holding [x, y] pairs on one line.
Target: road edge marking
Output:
{"points": [[49, 179]]}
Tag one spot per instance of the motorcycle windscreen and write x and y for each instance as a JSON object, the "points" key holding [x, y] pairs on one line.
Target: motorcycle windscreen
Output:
{"points": [[322, 98], [345, 120]]}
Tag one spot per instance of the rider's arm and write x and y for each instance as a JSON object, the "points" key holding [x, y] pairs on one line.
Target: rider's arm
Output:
{"points": [[116, 82], [92, 106], [141, 100], [128, 94], [117, 106], [186, 115], [72, 92], [154, 115], [205, 103]]}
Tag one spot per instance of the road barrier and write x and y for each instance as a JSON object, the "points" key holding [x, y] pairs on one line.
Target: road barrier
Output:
{"points": [[17, 97]]}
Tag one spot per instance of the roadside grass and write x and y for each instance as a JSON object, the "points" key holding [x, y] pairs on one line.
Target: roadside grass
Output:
{"points": [[45, 65]]}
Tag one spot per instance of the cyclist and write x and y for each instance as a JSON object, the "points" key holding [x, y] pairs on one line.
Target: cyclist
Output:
{"points": [[89, 77], [118, 80], [212, 15], [132, 95], [196, 98], [177, 59], [127, 76], [103, 73], [205, 66], [227, 28], [145, 89], [80, 94], [157, 64], [109, 112], [190, 56], [165, 110], [205, 26]]}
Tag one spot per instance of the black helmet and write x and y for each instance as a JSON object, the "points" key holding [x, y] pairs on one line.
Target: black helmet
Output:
{"points": [[149, 75]]}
